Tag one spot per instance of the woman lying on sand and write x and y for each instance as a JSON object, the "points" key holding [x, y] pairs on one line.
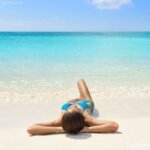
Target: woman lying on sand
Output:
{"points": [[76, 116]]}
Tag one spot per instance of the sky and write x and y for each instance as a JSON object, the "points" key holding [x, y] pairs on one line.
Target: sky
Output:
{"points": [[75, 15]]}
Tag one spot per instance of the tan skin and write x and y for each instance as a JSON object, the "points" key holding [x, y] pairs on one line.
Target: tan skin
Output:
{"points": [[92, 125]]}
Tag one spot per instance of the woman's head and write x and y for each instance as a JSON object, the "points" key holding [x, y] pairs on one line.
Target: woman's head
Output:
{"points": [[73, 122]]}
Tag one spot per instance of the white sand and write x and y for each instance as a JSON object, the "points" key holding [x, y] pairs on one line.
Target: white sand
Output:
{"points": [[134, 134], [133, 117]]}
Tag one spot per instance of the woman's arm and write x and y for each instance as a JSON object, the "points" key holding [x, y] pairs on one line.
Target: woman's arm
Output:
{"points": [[55, 123], [100, 126], [47, 127], [43, 130], [105, 128]]}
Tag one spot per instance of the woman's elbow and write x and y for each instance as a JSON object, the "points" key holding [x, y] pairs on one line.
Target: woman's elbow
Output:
{"points": [[31, 129], [114, 126]]}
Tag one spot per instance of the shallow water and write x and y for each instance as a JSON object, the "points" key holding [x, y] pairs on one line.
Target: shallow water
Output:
{"points": [[37, 67]]}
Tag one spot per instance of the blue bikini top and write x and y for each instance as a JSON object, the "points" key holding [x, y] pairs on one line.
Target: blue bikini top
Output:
{"points": [[85, 104]]}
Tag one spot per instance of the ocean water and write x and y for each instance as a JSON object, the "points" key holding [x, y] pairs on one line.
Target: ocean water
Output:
{"points": [[36, 67]]}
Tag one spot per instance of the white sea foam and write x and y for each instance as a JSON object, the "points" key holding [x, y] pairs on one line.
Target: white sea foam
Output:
{"points": [[37, 91]]}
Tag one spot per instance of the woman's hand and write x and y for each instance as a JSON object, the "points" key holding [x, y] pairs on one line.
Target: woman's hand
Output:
{"points": [[85, 130]]}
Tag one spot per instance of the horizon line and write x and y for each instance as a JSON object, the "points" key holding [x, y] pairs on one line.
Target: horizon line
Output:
{"points": [[80, 31]]}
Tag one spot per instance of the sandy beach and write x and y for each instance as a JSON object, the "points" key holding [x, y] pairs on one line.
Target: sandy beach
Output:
{"points": [[47, 46], [133, 133], [38, 75]]}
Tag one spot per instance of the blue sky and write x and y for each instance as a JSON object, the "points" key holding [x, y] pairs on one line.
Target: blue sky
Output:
{"points": [[74, 15]]}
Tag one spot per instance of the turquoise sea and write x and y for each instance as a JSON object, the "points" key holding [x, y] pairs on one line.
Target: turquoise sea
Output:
{"points": [[33, 63]]}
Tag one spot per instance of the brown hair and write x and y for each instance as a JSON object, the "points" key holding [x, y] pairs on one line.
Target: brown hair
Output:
{"points": [[73, 122]]}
